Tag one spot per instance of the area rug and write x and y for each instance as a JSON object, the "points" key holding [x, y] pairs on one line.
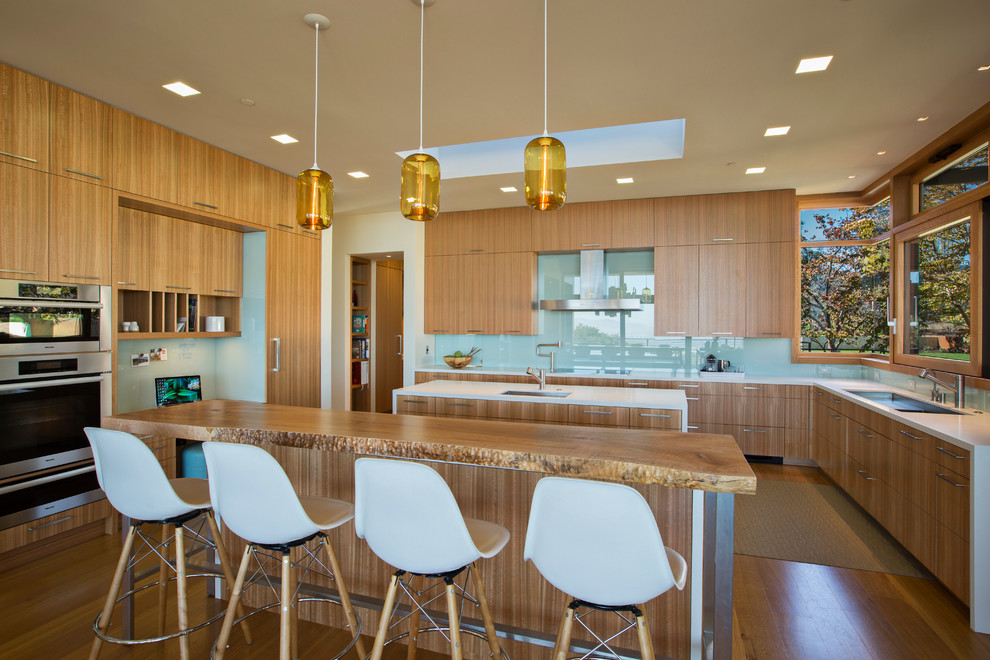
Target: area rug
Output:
{"points": [[816, 524]]}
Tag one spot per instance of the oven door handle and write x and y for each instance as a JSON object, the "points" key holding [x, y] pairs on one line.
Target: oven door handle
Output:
{"points": [[59, 304], [45, 480], [20, 385]]}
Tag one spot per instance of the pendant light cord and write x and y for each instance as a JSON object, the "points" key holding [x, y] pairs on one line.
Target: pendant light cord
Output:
{"points": [[545, 68], [422, 11], [316, 93]]}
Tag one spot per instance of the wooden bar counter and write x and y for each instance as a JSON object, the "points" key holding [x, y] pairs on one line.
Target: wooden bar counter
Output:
{"points": [[689, 481]]}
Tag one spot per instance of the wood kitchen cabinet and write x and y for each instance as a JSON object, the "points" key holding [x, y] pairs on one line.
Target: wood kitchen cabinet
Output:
{"points": [[771, 275], [145, 157], [177, 264], [512, 292], [222, 256], [460, 232], [132, 236], [631, 224], [597, 415], [751, 217], [292, 311], [722, 290], [24, 107], [80, 137], [583, 226], [206, 175], [24, 228], [79, 232], [676, 277]]}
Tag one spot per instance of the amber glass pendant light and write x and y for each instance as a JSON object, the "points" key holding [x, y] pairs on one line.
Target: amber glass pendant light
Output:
{"points": [[546, 172], [314, 187], [420, 188]]}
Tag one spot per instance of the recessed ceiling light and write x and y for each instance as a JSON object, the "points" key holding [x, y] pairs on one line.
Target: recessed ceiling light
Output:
{"points": [[248, 102], [852, 176], [755, 170], [181, 88], [778, 130], [284, 138], [880, 153], [627, 179], [985, 67], [358, 175], [813, 64], [508, 189], [922, 118]]}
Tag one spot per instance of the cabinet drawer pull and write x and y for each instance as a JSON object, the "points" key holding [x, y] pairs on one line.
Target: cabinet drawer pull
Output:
{"points": [[946, 451], [416, 401], [280, 224], [834, 400], [910, 436], [181, 288], [653, 415], [597, 412], [862, 473], [145, 437], [722, 240], [590, 244], [692, 427], [693, 398], [224, 290], [278, 353], [638, 383], [127, 283], [474, 332], [676, 332], [747, 387], [49, 524], [868, 435], [772, 334], [19, 157], [945, 478], [723, 333], [91, 176], [694, 386], [81, 277], [476, 250], [460, 405], [204, 204], [18, 272], [754, 430]]}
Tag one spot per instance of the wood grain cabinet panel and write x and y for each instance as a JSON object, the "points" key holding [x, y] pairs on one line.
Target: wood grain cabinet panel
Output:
{"points": [[24, 107], [676, 281], [952, 457], [660, 420], [913, 476], [952, 562], [722, 291], [913, 527], [513, 229], [474, 408], [952, 495], [207, 176], [770, 216], [80, 137], [756, 440], [53, 525], [770, 289], [632, 224], [583, 226], [177, 265], [145, 157], [511, 291], [415, 405], [24, 225], [254, 193], [222, 257], [677, 221], [442, 299], [131, 263], [597, 415], [460, 232], [79, 232]]}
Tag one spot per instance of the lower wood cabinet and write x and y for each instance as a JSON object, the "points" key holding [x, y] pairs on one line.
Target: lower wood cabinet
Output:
{"points": [[597, 415], [53, 525]]}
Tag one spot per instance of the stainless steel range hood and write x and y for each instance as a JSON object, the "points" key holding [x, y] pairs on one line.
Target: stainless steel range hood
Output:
{"points": [[593, 298]]}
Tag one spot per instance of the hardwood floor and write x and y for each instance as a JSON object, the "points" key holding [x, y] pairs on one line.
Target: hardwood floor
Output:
{"points": [[782, 610]]}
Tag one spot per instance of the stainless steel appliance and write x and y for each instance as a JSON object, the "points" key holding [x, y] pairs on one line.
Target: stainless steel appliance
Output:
{"points": [[39, 318], [46, 464]]}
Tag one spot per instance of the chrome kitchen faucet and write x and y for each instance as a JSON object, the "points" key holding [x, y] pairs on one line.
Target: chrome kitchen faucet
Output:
{"points": [[549, 355]]}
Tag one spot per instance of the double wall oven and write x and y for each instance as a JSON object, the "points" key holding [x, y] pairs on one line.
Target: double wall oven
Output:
{"points": [[54, 381]]}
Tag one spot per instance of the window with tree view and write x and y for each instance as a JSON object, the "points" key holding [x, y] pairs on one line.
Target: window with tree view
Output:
{"points": [[964, 174], [845, 275]]}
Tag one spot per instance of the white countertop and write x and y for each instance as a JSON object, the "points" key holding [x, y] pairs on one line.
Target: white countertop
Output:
{"points": [[634, 374], [586, 396]]}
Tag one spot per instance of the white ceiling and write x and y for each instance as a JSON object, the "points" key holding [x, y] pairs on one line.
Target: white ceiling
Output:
{"points": [[726, 66]]}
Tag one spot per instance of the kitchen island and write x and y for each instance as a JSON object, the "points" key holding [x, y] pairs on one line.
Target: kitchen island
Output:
{"points": [[688, 480]]}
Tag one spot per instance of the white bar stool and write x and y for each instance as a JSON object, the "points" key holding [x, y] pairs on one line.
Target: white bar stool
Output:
{"points": [[255, 499], [599, 543], [137, 487], [410, 519]]}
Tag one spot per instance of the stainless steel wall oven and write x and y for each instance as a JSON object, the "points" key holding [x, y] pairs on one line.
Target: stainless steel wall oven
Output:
{"points": [[38, 318]]}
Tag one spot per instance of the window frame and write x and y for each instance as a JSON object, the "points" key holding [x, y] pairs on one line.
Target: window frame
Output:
{"points": [[962, 199]]}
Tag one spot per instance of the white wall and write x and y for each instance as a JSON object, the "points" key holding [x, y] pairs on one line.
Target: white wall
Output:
{"points": [[372, 234]]}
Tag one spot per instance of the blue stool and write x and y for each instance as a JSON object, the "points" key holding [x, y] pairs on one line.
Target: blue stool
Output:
{"points": [[193, 462]]}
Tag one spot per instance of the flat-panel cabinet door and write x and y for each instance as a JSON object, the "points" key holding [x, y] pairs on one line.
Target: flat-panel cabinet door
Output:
{"points": [[222, 256], [23, 223], [292, 304], [476, 288], [178, 266], [583, 226], [675, 309], [722, 290], [442, 299], [631, 223], [513, 294], [24, 101], [79, 232], [80, 137], [770, 289], [206, 176], [132, 249], [144, 157]]}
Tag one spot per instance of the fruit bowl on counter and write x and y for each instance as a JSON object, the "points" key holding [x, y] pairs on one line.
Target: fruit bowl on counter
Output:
{"points": [[459, 360]]}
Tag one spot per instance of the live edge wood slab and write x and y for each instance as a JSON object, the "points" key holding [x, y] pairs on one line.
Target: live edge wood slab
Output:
{"points": [[696, 461]]}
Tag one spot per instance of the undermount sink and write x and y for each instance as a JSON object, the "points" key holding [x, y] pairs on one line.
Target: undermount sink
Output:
{"points": [[902, 403], [555, 394]]}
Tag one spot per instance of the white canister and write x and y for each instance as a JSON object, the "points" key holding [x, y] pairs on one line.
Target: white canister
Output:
{"points": [[214, 324]]}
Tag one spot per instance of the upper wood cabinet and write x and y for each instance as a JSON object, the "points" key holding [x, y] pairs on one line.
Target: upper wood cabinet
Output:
{"points": [[222, 257], [145, 157], [513, 229], [207, 176], [752, 217], [722, 291], [675, 309], [512, 291], [582, 226], [442, 303], [24, 110], [177, 259], [771, 278], [23, 223], [632, 224], [79, 232], [770, 216], [80, 137], [132, 249], [461, 232]]}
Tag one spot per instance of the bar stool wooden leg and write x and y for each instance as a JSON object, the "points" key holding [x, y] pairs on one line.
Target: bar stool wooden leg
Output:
{"points": [[563, 643], [345, 598], [456, 652], [486, 613], [225, 567], [163, 573], [118, 577], [294, 616], [382, 633], [415, 583], [645, 643], [180, 581], [235, 599], [285, 605]]}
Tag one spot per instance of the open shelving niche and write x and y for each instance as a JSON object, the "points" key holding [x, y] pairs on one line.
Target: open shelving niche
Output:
{"points": [[360, 333], [158, 314]]}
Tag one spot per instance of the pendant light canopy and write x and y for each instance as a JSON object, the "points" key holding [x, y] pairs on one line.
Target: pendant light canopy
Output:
{"points": [[314, 187], [420, 188], [546, 172]]}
